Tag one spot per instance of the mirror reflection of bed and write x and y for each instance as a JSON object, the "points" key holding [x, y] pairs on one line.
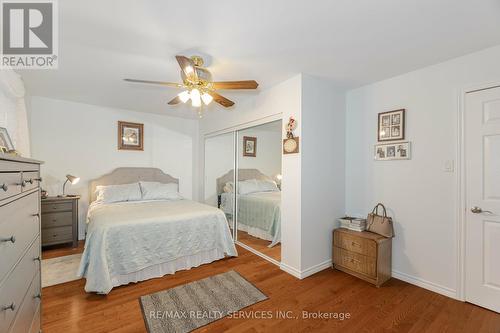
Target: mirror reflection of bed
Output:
{"points": [[252, 205], [258, 207]]}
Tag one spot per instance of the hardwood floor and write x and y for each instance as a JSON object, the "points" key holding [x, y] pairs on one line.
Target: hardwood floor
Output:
{"points": [[395, 307], [260, 245], [61, 250]]}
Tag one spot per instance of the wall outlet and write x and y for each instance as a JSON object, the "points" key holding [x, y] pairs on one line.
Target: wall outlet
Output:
{"points": [[449, 166]]}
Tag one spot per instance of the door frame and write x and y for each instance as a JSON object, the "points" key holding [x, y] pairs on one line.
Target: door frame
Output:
{"points": [[461, 186]]}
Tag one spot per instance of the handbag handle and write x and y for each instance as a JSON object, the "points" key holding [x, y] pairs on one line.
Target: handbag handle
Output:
{"points": [[375, 209]]}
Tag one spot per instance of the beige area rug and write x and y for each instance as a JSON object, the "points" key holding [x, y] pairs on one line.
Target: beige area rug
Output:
{"points": [[196, 304], [60, 270]]}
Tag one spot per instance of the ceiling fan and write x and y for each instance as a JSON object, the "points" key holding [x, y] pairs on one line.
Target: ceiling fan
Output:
{"points": [[198, 84]]}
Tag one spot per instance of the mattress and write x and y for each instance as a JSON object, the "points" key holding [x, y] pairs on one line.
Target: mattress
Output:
{"points": [[259, 214], [134, 241]]}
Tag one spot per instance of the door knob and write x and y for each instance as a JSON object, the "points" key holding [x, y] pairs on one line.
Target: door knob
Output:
{"points": [[478, 210]]}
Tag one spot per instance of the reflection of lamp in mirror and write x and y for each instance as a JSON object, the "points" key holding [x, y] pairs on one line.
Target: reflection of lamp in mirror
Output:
{"points": [[73, 180], [278, 178]]}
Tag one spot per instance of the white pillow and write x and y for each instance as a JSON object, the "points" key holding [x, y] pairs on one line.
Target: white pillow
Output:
{"points": [[267, 186], [160, 191], [248, 186], [118, 193]]}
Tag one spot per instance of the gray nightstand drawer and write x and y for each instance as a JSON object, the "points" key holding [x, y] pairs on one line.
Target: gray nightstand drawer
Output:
{"points": [[57, 235], [58, 219], [48, 207]]}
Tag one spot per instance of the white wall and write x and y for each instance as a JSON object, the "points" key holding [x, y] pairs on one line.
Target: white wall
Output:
{"points": [[420, 196], [323, 173], [220, 160], [13, 115], [269, 150], [81, 139]]}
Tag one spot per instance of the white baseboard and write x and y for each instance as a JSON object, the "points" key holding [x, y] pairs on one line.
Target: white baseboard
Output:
{"points": [[271, 260], [316, 268], [306, 272], [425, 284], [290, 270]]}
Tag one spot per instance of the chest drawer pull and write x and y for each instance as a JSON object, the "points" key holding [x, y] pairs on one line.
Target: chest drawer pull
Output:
{"points": [[11, 239], [27, 181], [39, 179], [4, 187], [38, 296], [11, 307], [37, 259], [36, 215]]}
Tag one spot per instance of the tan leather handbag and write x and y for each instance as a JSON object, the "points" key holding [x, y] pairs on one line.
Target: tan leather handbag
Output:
{"points": [[380, 224]]}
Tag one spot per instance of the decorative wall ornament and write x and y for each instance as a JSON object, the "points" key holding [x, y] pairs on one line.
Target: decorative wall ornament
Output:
{"points": [[249, 146], [391, 125], [6, 145], [393, 151], [291, 143], [130, 136]]}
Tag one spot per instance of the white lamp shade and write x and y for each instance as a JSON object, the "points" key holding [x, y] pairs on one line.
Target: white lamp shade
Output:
{"points": [[195, 97], [73, 179], [207, 98], [184, 96]]}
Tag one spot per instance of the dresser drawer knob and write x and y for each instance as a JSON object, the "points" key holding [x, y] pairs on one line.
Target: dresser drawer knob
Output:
{"points": [[4, 187], [39, 179], [11, 239], [37, 259], [36, 215], [11, 307], [38, 296], [28, 181]]}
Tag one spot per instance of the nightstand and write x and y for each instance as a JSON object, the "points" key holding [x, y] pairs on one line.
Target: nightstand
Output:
{"points": [[363, 254], [60, 220]]}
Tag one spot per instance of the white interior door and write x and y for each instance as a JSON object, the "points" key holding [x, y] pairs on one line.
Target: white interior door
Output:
{"points": [[482, 156]]}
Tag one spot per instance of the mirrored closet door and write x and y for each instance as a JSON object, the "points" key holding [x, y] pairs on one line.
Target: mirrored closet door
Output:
{"points": [[252, 204], [219, 174], [258, 203]]}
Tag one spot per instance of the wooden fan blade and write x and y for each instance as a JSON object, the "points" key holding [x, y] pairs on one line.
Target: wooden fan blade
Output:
{"points": [[168, 84], [175, 100], [248, 84], [187, 66], [221, 99]]}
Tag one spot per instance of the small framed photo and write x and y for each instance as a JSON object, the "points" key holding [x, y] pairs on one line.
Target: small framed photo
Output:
{"points": [[130, 136], [391, 125], [249, 146], [6, 144], [392, 151]]}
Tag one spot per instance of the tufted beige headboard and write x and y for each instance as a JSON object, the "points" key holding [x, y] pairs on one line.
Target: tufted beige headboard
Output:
{"points": [[243, 174], [129, 175]]}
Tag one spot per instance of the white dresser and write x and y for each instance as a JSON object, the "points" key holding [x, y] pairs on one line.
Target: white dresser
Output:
{"points": [[20, 251]]}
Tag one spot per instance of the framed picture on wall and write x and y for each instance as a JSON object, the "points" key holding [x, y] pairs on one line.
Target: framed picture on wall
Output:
{"points": [[391, 125], [393, 151], [130, 136], [249, 146]]}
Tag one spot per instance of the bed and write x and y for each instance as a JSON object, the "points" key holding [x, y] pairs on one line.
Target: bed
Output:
{"points": [[259, 213], [134, 241]]}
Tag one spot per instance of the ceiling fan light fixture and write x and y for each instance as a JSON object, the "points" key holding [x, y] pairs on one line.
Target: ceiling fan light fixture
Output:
{"points": [[207, 98], [195, 97], [184, 96]]}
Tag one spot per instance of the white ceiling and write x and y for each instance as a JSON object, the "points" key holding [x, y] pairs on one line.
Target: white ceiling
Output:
{"points": [[350, 42]]}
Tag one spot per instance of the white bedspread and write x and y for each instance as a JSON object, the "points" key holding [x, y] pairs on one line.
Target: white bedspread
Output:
{"points": [[128, 237], [259, 214]]}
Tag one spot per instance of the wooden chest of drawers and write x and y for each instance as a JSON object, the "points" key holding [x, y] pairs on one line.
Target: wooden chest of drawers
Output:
{"points": [[60, 220], [363, 254], [20, 282]]}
